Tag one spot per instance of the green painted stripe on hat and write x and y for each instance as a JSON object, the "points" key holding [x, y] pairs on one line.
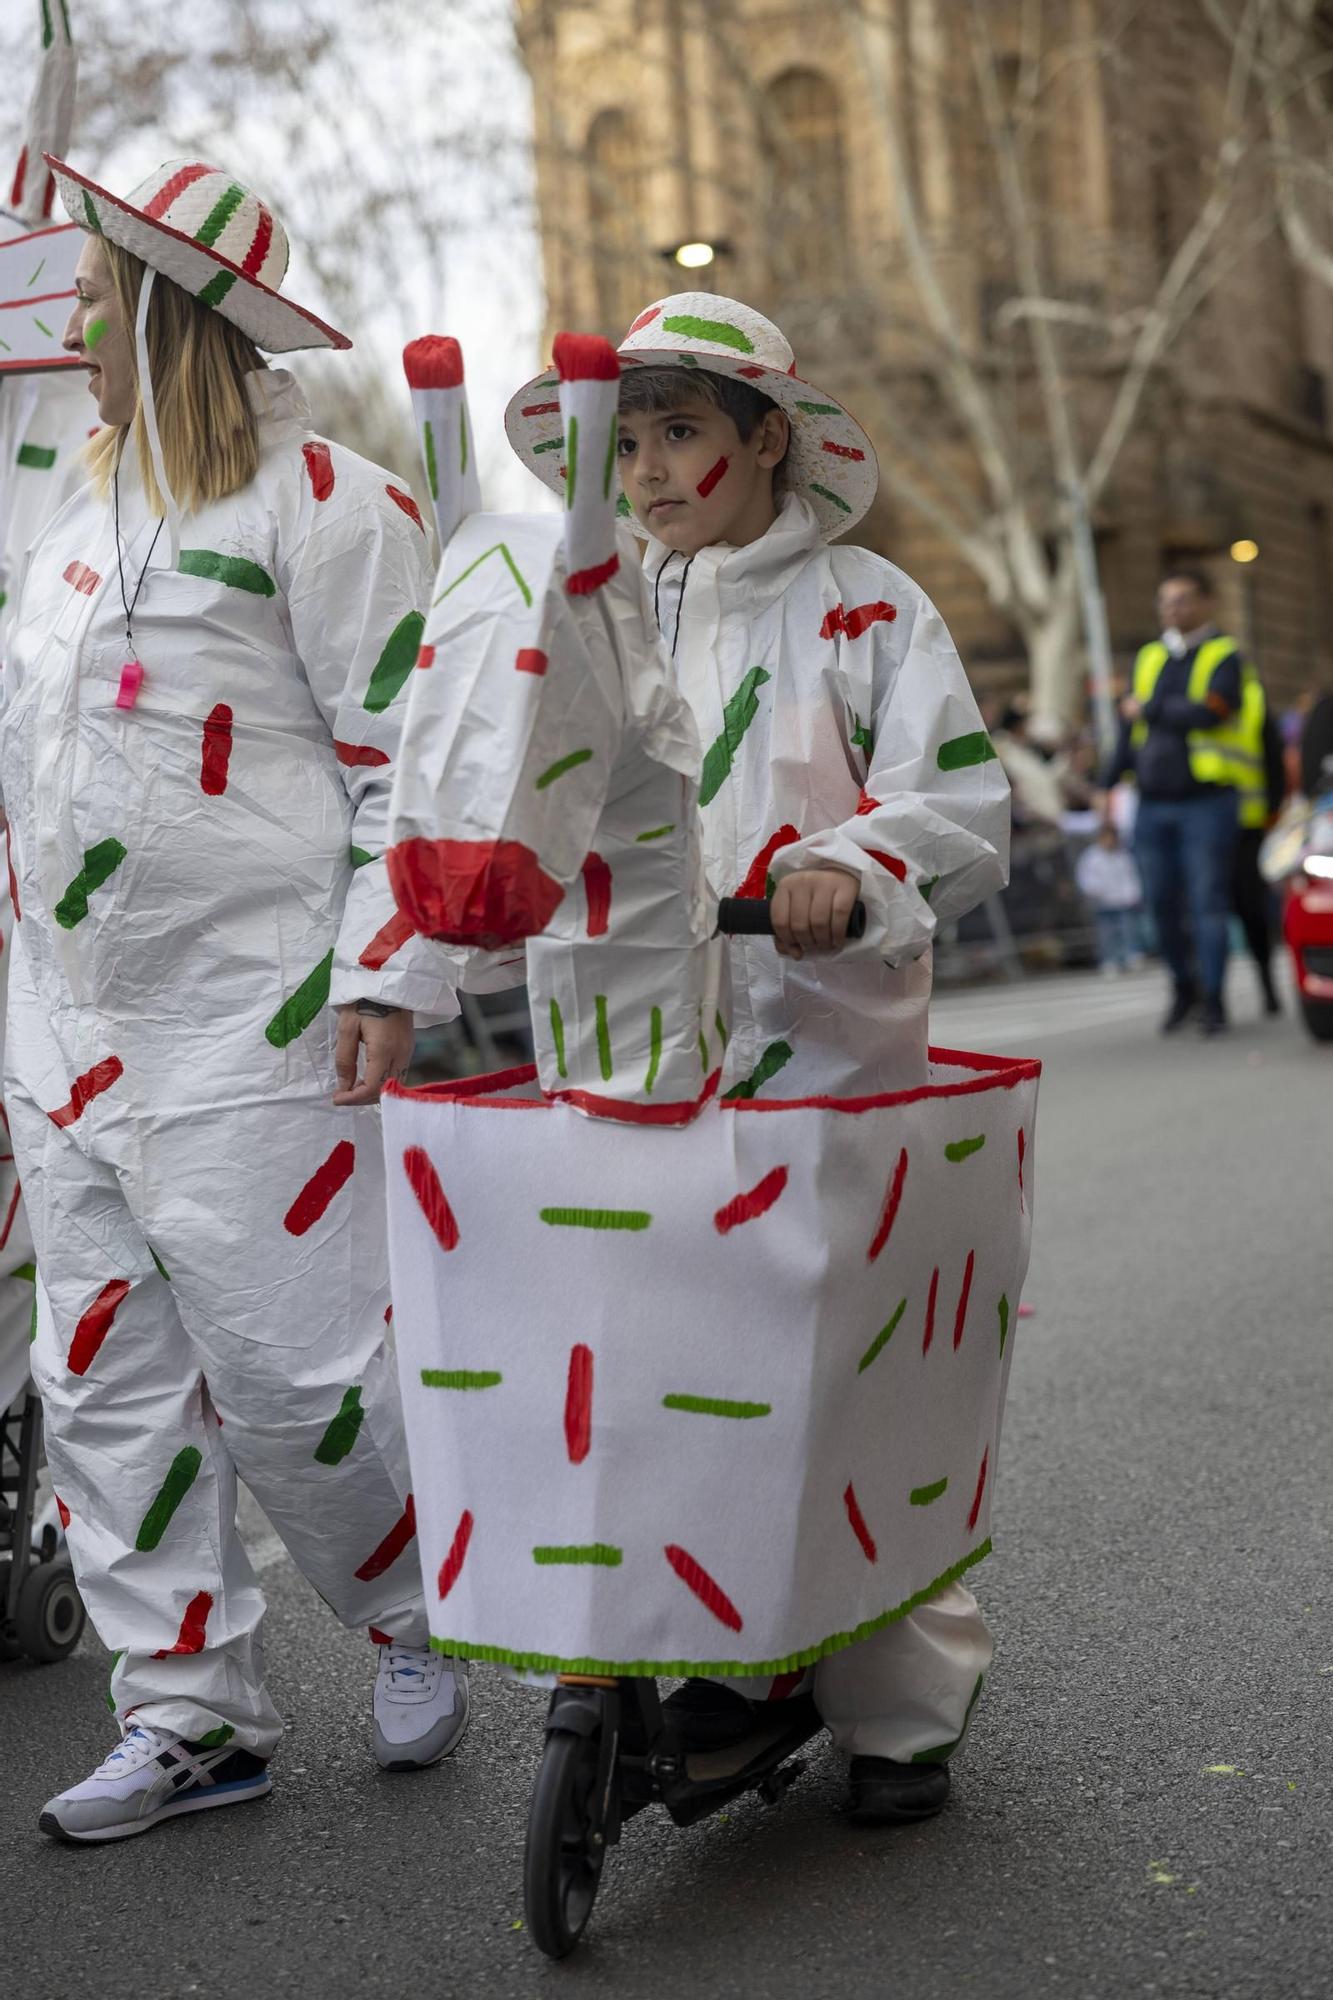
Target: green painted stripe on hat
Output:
{"points": [[601, 1553], [609, 470], [961, 752], [882, 1339], [217, 288], [432, 468], [737, 716], [562, 764], [571, 471], [775, 1057], [633, 1219], [342, 1433], [558, 1037], [219, 216], [99, 865], [715, 1406], [90, 214], [654, 1050], [719, 331], [37, 457], [604, 1062], [237, 572], [395, 663], [184, 1471], [549, 444], [821, 409], [825, 494], [461, 1378], [301, 1008], [962, 1149], [922, 1496]]}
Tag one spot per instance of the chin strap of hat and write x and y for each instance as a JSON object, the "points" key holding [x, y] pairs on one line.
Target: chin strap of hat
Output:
{"points": [[169, 507]]}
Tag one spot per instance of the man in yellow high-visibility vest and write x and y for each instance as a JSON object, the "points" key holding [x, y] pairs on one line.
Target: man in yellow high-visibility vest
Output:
{"points": [[1189, 738]]}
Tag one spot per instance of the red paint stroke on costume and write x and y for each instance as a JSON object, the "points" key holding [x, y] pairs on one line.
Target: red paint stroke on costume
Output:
{"points": [[840, 450], [388, 939], [858, 1521], [530, 660], [858, 620], [712, 478], [215, 756], [13, 878], [584, 582], [389, 1550], [896, 868], [757, 1201], [710, 1594], [86, 1087], [193, 1625], [756, 879], [20, 180], [644, 319], [585, 357], [320, 1189], [425, 1185], [597, 889], [95, 1325], [888, 1215], [960, 1316], [457, 1556], [12, 1211], [785, 1684], [408, 506], [866, 805], [425, 658], [929, 1333], [1022, 1149], [482, 892], [981, 1488], [79, 577], [62, 1510], [378, 1638], [319, 465], [435, 361], [353, 754], [578, 1404]]}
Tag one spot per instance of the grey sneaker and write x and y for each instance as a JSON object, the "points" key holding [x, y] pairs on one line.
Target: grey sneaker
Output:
{"points": [[422, 1702], [152, 1775]]}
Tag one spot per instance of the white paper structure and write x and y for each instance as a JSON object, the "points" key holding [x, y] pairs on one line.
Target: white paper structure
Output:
{"points": [[36, 295]]}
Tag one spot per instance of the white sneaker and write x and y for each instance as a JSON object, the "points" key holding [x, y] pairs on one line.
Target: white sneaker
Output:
{"points": [[152, 1775], [422, 1702]]}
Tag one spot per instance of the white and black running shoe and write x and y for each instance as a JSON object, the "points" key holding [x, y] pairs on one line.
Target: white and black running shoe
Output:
{"points": [[152, 1775]]}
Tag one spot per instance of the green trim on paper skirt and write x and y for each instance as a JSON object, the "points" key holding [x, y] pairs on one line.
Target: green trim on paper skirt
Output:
{"points": [[837, 1642]]}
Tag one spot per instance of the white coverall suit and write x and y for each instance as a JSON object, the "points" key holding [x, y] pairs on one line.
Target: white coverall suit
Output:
{"points": [[200, 883], [842, 732]]}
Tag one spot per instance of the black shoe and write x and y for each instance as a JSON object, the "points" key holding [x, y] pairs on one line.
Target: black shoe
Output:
{"points": [[1181, 1008], [708, 1716], [883, 1793], [1214, 1021], [1272, 1004]]}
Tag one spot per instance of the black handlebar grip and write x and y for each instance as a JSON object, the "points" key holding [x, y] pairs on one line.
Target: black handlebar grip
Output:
{"points": [[750, 916]]}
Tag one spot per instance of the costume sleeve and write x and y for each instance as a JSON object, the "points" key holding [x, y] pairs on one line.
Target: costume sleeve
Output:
{"points": [[1182, 716], [357, 594], [930, 835]]}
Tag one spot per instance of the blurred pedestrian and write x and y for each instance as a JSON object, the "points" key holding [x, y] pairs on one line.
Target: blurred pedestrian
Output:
{"points": [[1110, 882]]}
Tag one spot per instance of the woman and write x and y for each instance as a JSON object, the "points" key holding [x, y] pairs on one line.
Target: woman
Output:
{"points": [[209, 986]]}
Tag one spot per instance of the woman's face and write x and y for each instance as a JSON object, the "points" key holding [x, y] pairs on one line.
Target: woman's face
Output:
{"points": [[97, 333]]}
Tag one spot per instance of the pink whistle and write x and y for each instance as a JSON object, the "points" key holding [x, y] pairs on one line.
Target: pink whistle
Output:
{"points": [[131, 680]]}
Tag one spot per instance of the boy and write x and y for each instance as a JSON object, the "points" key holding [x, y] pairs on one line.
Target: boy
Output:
{"points": [[846, 760]]}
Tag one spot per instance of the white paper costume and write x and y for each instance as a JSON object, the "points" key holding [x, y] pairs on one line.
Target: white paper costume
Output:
{"points": [[718, 1393], [201, 879]]}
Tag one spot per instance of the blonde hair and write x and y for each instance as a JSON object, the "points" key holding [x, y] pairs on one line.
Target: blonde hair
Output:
{"points": [[200, 361]]}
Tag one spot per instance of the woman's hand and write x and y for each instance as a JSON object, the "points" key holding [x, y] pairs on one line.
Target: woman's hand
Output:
{"points": [[387, 1044], [811, 908]]}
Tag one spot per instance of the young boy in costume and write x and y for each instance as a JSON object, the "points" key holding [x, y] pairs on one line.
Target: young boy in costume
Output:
{"points": [[845, 760]]}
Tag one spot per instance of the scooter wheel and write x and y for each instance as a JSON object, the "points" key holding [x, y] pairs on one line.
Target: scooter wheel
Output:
{"points": [[10, 1648], [50, 1615], [562, 1864]]}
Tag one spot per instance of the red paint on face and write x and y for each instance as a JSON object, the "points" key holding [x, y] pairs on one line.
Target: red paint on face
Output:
{"points": [[320, 1189], [712, 478], [481, 892]]}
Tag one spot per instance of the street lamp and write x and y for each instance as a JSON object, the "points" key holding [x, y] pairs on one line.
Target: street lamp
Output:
{"points": [[695, 256], [1244, 551]]}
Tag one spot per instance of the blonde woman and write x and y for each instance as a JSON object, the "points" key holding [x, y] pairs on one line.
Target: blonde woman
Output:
{"points": [[210, 984]]}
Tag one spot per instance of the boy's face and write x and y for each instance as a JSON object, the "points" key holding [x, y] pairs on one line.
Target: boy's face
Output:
{"points": [[691, 480]]}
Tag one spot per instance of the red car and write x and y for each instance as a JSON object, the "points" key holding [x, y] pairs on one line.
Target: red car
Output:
{"points": [[1308, 927]]}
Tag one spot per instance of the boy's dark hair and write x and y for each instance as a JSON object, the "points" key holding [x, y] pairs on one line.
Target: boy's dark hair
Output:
{"points": [[653, 391], [1188, 573]]}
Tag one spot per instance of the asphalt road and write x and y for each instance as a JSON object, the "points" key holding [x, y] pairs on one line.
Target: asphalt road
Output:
{"points": [[1144, 1808]]}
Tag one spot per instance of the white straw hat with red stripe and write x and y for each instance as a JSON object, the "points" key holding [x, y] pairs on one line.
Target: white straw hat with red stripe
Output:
{"points": [[831, 462], [211, 236]]}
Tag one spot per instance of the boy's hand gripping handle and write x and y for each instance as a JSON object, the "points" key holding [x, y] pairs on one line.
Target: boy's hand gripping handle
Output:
{"points": [[751, 916]]}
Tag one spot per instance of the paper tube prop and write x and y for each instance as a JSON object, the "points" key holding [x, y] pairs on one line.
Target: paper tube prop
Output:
{"points": [[690, 1386]]}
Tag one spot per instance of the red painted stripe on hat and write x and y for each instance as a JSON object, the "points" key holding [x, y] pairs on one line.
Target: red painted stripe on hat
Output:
{"points": [[751, 373], [409, 507], [540, 409], [389, 1550], [713, 477], [859, 1528], [644, 319], [215, 757], [183, 178], [981, 1488], [62, 1510], [889, 1213], [597, 889], [896, 868], [578, 1404], [49, 198], [585, 357], [755, 1202], [320, 1189], [584, 582], [709, 1593], [95, 1325], [425, 1185], [388, 939], [435, 361], [960, 1317], [841, 450], [86, 1087], [530, 660], [259, 249], [929, 1333], [79, 577], [353, 754], [457, 1556], [193, 1626], [319, 465], [756, 879]]}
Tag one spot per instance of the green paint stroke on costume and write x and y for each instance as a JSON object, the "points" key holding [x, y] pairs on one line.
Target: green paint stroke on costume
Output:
{"points": [[32, 1323], [927, 889], [395, 663], [36, 275], [184, 1471], [719, 331], [604, 1062], [882, 1339], [596, 1218], [721, 1027], [237, 572], [770, 1062], [1003, 1310], [341, 1434], [359, 857], [861, 737], [561, 765], [572, 469], [922, 1496], [162, 1270], [715, 1406], [37, 457], [609, 469], [48, 32], [963, 1149], [26, 1272], [737, 716], [219, 215], [116, 1659], [99, 865], [827, 493], [42, 327], [600, 1553], [94, 334], [215, 1738], [461, 1378], [657, 832], [961, 752], [558, 1037], [498, 548], [943, 1751], [302, 1007], [216, 290], [462, 438], [432, 469], [654, 1050]]}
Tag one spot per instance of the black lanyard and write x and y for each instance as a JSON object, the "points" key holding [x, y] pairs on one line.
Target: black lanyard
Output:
{"points": [[129, 602]]}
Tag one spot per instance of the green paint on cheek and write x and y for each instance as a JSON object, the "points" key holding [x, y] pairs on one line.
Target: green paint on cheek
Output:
{"points": [[94, 334]]}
